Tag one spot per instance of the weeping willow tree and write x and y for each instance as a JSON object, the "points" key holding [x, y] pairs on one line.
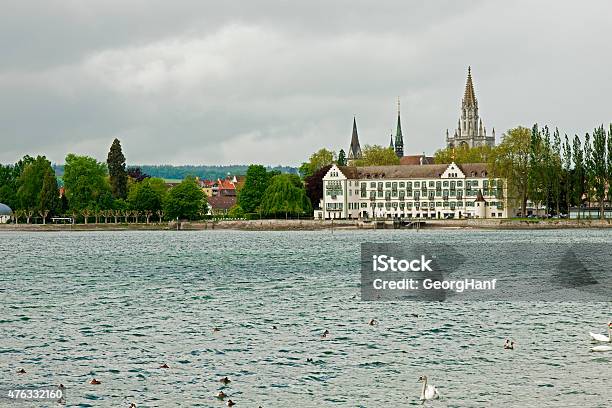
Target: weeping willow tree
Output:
{"points": [[284, 198]]}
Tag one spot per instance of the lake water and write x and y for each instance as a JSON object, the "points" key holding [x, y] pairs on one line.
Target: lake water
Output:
{"points": [[116, 305]]}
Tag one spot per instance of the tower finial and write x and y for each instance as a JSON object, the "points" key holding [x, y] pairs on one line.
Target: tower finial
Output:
{"points": [[398, 106]]}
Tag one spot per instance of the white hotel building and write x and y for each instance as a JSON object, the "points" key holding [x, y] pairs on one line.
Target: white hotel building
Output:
{"points": [[428, 191]]}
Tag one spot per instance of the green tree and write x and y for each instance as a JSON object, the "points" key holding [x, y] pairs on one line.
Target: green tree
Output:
{"points": [[255, 184], [588, 168], [8, 186], [511, 160], [538, 181], [86, 183], [599, 169], [321, 158], [578, 179], [49, 201], [185, 201], [555, 169], [236, 212], [374, 155], [30, 183], [147, 195], [9, 181], [567, 172], [117, 171], [282, 197], [341, 158], [464, 154]]}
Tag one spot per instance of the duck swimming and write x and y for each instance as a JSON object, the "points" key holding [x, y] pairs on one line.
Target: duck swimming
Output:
{"points": [[221, 395], [230, 403], [225, 380], [325, 333], [164, 366], [373, 322], [21, 371], [94, 382], [509, 345]]}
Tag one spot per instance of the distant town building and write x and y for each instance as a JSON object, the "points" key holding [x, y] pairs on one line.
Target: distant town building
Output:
{"points": [[423, 191], [354, 152], [470, 131], [417, 159], [221, 204], [5, 213], [228, 186]]}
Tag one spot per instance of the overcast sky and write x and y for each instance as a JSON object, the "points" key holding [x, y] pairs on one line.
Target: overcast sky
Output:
{"points": [[223, 82]]}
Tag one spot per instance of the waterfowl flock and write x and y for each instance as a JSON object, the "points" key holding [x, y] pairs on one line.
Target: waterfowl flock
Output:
{"points": [[428, 392]]}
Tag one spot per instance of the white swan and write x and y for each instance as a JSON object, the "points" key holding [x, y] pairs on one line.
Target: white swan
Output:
{"points": [[428, 392], [602, 348], [601, 337]]}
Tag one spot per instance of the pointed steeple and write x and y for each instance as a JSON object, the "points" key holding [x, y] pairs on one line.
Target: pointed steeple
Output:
{"points": [[391, 142], [399, 138], [469, 97], [355, 148]]}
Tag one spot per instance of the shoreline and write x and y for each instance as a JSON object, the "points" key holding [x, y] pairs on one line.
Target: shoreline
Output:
{"points": [[315, 225]]}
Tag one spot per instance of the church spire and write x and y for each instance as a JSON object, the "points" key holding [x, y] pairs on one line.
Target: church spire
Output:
{"points": [[391, 143], [471, 130], [469, 97], [399, 138], [355, 148]]}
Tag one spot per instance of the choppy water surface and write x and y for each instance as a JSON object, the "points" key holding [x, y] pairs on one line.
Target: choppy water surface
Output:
{"points": [[116, 305]]}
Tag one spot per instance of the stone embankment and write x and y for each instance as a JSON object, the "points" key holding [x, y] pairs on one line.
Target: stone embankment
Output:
{"points": [[314, 225]]}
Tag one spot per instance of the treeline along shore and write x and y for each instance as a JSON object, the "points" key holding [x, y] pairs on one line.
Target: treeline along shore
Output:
{"points": [[314, 225]]}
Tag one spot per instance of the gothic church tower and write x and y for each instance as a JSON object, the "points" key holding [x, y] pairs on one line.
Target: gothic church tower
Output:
{"points": [[470, 131]]}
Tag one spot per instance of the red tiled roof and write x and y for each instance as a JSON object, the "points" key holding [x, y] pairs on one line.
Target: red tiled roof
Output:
{"points": [[416, 159], [226, 185], [221, 202]]}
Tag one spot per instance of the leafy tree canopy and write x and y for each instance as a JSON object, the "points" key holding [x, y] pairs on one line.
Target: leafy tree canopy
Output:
{"points": [[255, 184], [185, 201], [30, 184], [314, 186], [282, 197], [319, 159], [375, 155], [149, 194], [463, 154], [86, 183]]}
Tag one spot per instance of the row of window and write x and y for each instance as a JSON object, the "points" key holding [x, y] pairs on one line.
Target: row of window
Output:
{"points": [[431, 183], [401, 194], [409, 205], [433, 204]]}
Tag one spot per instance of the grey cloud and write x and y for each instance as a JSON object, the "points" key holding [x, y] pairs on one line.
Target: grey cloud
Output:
{"points": [[269, 82]]}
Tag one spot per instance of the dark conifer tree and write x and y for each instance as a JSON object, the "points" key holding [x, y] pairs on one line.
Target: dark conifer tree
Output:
{"points": [[117, 170], [341, 158]]}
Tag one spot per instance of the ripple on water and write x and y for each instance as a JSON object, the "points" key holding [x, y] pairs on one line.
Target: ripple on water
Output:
{"points": [[157, 296]]}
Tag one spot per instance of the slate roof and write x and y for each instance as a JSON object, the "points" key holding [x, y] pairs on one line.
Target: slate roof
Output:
{"points": [[410, 171]]}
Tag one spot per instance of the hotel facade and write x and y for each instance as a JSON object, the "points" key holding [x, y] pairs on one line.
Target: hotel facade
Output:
{"points": [[428, 191]]}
